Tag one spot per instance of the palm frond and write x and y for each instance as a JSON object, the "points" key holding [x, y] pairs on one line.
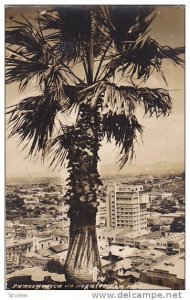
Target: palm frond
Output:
{"points": [[155, 101], [118, 99], [71, 27], [32, 120], [119, 122], [50, 76], [55, 80], [141, 58], [123, 129], [19, 70], [33, 57], [59, 146], [126, 24], [28, 39]]}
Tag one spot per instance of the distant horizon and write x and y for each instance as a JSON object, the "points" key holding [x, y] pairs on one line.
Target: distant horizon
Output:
{"points": [[63, 174]]}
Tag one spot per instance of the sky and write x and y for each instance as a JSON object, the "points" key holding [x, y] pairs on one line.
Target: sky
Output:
{"points": [[163, 139]]}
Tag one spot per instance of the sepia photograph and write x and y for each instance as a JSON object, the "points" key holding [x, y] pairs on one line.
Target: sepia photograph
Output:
{"points": [[95, 147]]}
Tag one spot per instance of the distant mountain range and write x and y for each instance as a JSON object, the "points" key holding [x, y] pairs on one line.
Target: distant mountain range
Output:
{"points": [[159, 168]]}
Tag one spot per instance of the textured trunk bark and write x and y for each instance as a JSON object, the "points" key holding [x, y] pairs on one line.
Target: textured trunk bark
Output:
{"points": [[83, 182], [83, 254]]}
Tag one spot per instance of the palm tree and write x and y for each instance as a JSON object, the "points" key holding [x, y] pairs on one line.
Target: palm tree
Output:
{"points": [[76, 55]]}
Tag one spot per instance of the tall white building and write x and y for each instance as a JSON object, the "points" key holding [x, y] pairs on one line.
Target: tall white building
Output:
{"points": [[126, 206]]}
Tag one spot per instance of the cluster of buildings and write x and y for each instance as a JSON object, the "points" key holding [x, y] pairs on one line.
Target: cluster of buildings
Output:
{"points": [[126, 243]]}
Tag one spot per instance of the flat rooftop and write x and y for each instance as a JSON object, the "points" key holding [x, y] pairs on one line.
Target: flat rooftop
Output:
{"points": [[11, 243], [109, 231], [132, 234], [173, 265]]}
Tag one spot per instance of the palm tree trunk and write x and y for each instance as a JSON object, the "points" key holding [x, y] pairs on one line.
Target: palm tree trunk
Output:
{"points": [[83, 182], [83, 252]]}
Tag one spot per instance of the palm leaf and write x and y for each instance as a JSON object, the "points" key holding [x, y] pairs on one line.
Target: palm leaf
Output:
{"points": [[51, 76], [59, 146], [117, 99], [125, 99], [28, 38], [155, 101], [119, 122], [71, 27], [22, 71], [33, 57], [123, 129], [33, 120], [126, 24], [141, 58]]}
